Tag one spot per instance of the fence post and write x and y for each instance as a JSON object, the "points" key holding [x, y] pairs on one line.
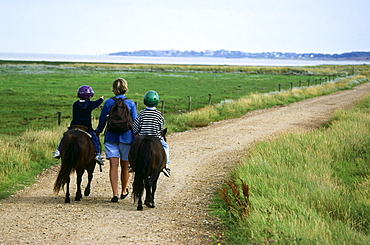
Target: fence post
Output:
{"points": [[209, 99], [59, 117], [162, 107], [279, 87], [308, 83], [291, 86], [189, 103], [300, 83]]}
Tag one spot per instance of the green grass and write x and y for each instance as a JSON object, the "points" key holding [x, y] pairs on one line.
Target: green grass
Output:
{"points": [[34, 92], [310, 188]]}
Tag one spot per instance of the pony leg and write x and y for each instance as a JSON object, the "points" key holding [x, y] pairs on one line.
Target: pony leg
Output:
{"points": [[79, 180], [67, 199], [154, 188], [149, 201], [150, 190], [148, 195], [140, 204], [138, 194], [90, 172]]}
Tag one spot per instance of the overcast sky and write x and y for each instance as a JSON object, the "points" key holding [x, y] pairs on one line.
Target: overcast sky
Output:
{"points": [[106, 26]]}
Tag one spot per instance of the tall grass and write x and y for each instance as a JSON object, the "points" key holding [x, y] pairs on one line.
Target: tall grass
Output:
{"points": [[23, 157], [254, 101], [310, 188]]}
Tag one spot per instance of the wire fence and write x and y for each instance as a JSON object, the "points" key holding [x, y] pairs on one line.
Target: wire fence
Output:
{"points": [[208, 97]]}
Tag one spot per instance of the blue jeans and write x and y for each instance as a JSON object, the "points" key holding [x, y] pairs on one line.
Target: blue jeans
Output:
{"points": [[166, 149], [95, 141]]}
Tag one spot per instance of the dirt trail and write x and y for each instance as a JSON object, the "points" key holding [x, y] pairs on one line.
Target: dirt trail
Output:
{"points": [[200, 158]]}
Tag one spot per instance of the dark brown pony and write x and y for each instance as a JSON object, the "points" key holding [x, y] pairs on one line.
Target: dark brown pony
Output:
{"points": [[147, 158], [77, 154]]}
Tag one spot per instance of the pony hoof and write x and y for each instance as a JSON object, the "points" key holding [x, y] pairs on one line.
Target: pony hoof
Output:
{"points": [[87, 192], [140, 208], [150, 204], [67, 200], [77, 198]]}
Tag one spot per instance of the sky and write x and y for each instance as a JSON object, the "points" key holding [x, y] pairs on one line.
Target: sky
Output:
{"points": [[108, 26]]}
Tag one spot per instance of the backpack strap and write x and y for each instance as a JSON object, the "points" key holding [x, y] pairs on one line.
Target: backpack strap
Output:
{"points": [[115, 99]]}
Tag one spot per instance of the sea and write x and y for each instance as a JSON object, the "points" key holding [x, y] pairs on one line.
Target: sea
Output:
{"points": [[105, 58]]}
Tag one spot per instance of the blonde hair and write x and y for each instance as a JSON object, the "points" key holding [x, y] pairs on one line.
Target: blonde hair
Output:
{"points": [[119, 86]]}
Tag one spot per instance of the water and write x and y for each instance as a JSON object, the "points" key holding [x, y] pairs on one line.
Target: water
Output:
{"points": [[172, 60]]}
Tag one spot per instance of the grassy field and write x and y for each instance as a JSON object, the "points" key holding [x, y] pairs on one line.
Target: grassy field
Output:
{"points": [[308, 188], [31, 93]]}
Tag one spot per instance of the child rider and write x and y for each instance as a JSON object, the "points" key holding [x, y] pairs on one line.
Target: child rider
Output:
{"points": [[151, 122], [82, 109]]}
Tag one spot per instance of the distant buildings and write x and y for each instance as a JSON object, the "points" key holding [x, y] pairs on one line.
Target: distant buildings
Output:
{"points": [[239, 54]]}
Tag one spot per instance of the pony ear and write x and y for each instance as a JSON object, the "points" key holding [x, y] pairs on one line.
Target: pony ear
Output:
{"points": [[164, 131]]}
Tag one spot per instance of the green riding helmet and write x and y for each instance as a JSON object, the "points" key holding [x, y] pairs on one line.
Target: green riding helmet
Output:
{"points": [[151, 98]]}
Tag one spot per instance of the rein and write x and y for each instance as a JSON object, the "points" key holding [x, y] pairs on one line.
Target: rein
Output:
{"points": [[82, 131], [80, 128]]}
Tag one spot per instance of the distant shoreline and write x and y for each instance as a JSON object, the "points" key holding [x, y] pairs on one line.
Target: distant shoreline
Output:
{"points": [[115, 59], [356, 55]]}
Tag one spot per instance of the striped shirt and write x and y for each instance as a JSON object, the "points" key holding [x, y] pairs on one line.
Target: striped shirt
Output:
{"points": [[149, 122]]}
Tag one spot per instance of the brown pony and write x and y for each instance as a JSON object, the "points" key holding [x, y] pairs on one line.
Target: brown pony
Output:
{"points": [[147, 158], [77, 154]]}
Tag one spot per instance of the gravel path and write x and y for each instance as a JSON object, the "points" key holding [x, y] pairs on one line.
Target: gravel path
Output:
{"points": [[201, 159]]}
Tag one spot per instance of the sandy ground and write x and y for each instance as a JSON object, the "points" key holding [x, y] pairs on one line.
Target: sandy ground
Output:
{"points": [[201, 159]]}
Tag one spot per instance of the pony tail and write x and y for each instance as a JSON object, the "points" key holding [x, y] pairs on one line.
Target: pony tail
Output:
{"points": [[68, 161], [141, 168]]}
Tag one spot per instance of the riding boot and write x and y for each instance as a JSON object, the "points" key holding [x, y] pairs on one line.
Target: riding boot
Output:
{"points": [[166, 171], [56, 154]]}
